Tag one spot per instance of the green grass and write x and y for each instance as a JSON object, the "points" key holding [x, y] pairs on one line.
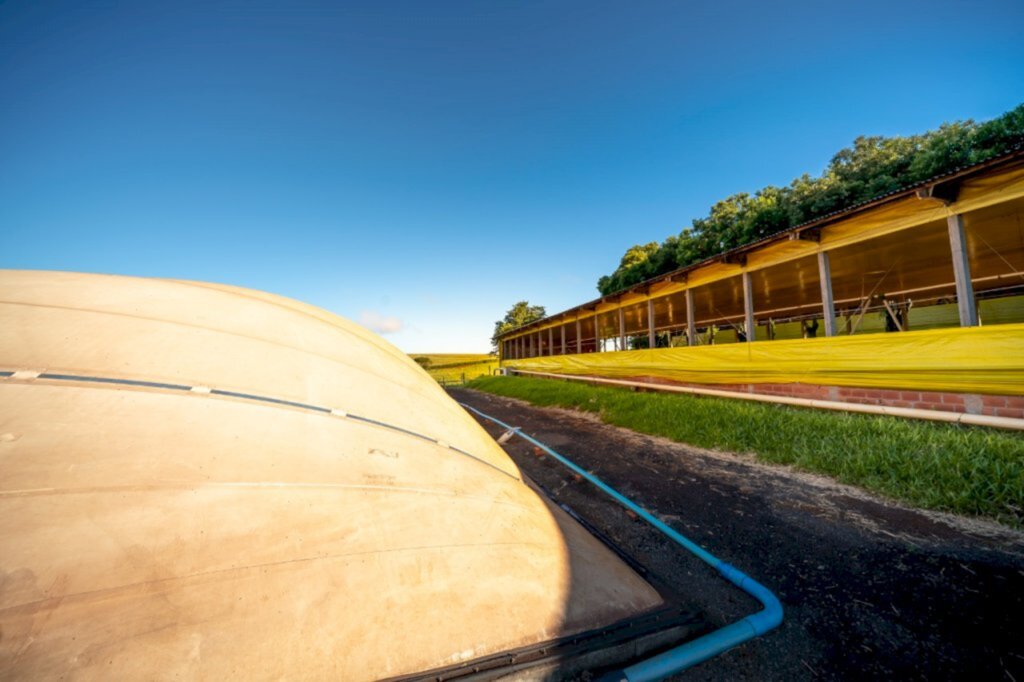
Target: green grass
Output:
{"points": [[452, 367], [966, 470]]}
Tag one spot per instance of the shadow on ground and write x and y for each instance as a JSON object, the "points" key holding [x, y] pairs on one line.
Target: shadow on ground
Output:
{"points": [[871, 590]]}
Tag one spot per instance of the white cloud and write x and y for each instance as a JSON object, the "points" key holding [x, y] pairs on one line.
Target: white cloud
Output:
{"points": [[382, 324]]}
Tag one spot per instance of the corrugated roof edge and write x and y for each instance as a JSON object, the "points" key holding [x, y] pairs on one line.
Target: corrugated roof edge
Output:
{"points": [[1015, 153]]}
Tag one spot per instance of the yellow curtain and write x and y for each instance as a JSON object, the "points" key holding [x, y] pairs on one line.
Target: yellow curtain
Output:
{"points": [[987, 360]]}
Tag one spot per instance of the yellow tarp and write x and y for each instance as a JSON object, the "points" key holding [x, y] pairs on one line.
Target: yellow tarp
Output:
{"points": [[988, 360]]}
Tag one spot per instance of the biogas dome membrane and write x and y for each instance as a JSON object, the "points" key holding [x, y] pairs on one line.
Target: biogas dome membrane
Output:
{"points": [[201, 481]]}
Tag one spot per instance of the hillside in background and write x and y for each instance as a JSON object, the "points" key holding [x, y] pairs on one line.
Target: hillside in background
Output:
{"points": [[456, 367]]}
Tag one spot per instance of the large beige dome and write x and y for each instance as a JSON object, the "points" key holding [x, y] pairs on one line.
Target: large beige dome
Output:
{"points": [[201, 481]]}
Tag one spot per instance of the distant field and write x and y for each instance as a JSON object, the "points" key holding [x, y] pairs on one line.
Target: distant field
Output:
{"points": [[452, 367]]}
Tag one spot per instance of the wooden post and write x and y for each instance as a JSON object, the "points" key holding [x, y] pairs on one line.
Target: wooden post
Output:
{"points": [[622, 328], [892, 315], [748, 306], [828, 303], [962, 272], [597, 332], [579, 336], [651, 341], [551, 340], [562, 329], [691, 324]]}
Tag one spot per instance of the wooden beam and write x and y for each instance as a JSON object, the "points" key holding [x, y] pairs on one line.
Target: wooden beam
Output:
{"points": [[748, 307], [651, 341], [562, 329], [946, 192], [691, 325], [579, 336], [551, 340], [828, 303], [892, 314], [812, 234], [622, 329], [962, 272]]}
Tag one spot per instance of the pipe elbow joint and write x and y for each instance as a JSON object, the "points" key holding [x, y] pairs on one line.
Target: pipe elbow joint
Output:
{"points": [[768, 618]]}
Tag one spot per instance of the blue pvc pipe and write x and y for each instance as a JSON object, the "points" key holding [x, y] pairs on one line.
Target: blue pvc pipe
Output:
{"points": [[701, 649]]}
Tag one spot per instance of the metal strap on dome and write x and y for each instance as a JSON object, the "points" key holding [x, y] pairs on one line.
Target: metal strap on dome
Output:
{"points": [[205, 390]]}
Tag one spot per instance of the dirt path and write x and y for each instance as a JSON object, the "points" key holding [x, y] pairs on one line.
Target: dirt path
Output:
{"points": [[871, 590]]}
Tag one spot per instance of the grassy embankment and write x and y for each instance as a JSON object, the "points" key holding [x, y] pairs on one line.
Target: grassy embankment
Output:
{"points": [[450, 367], [967, 470]]}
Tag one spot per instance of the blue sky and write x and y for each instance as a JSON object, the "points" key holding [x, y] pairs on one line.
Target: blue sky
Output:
{"points": [[421, 166]]}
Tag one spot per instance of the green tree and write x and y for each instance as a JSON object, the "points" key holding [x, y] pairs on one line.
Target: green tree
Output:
{"points": [[633, 268], [871, 167], [516, 316]]}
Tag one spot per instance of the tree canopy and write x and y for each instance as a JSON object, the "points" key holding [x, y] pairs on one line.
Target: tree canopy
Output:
{"points": [[872, 167], [516, 316]]}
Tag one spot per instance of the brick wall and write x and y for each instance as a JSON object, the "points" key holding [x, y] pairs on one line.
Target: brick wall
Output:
{"points": [[971, 403]]}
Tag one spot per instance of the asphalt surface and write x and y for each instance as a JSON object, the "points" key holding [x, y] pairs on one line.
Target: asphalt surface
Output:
{"points": [[871, 590]]}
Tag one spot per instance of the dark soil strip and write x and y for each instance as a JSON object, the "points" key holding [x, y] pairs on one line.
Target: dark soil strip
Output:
{"points": [[871, 590]]}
